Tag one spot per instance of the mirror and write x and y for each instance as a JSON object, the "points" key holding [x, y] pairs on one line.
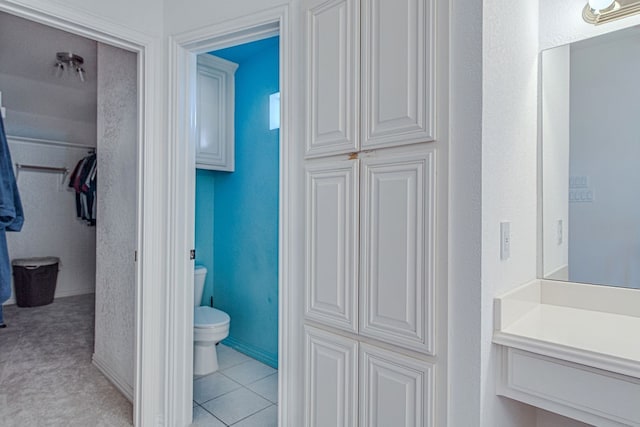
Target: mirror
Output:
{"points": [[590, 160]]}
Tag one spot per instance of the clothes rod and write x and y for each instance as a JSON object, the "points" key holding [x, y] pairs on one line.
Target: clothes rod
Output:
{"points": [[36, 168]]}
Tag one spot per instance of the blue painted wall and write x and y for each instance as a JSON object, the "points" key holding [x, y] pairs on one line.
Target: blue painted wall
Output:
{"points": [[240, 211]]}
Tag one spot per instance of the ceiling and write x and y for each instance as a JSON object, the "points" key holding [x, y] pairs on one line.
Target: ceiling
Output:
{"points": [[28, 81], [28, 49]]}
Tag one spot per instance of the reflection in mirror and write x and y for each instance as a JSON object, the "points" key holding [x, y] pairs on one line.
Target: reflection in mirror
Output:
{"points": [[591, 160]]}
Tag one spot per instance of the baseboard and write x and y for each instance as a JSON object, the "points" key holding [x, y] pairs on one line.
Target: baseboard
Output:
{"points": [[119, 382], [252, 351], [60, 294]]}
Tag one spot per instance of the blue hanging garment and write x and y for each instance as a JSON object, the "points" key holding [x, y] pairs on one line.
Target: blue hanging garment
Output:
{"points": [[11, 215]]}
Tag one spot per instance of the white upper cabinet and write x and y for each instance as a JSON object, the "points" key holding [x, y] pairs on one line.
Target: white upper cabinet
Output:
{"points": [[370, 74], [398, 77], [332, 70], [215, 113]]}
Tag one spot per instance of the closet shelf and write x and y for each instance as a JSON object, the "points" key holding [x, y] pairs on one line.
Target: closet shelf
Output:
{"points": [[37, 168], [21, 139]]}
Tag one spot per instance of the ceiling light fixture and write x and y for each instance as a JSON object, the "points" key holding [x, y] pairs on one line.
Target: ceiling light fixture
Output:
{"points": [[600, 11], [72, 62]]}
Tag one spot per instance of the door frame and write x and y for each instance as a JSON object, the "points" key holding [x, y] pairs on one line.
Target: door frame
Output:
{"points": [[150, 239], [183, 50]]}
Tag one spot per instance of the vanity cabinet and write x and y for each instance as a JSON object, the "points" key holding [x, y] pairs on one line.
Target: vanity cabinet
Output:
{"points": [[215, 113], [374, 60]]}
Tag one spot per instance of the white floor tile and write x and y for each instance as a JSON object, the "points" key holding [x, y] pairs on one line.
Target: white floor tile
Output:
{"points": [[228, 357], [202, 418], [265, 418], [212, 386], [237, 405], [249, 372], [266, 387]]}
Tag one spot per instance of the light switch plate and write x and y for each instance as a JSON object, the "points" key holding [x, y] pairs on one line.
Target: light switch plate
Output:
{"points": [[505, 240]]}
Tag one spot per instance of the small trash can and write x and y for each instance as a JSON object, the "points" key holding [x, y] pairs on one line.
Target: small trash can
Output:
{"points": [[34, 280]]}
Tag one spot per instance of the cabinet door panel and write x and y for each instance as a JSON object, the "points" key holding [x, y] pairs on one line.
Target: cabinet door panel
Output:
{"points": [[398, 72], [215, 113], [332, 215], [397, 235], [331, 377], [332, 70], [395, 390]]}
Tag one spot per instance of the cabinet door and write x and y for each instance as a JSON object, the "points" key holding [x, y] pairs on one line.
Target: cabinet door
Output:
{"points": [[331, 378], [215, 113], [398, 84], [397, 236], [332, 71], [331, 255], [395, 390]]}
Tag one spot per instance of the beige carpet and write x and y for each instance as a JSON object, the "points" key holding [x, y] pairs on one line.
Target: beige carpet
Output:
{"points": [[46, 375]]}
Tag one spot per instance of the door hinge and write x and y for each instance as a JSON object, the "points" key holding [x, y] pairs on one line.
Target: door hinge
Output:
{"points": [[192, 254]]}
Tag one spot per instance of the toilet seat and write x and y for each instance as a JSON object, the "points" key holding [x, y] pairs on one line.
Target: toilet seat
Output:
{"points": [[210, 318]]}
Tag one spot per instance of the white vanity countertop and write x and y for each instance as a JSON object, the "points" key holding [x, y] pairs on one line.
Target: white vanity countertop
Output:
{"points": [[596, 326]]}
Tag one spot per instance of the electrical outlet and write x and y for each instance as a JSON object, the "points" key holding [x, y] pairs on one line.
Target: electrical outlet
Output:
{"points": [[505, 240]]}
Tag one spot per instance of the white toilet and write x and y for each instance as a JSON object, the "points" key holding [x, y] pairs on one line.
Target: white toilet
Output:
{"points": [[210, 326]]}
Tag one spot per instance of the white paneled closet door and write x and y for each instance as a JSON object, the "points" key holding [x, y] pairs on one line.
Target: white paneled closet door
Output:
{"points": [[397, 245], [331, 379], [398, 74], [332, 247], [332, 75], [375, 237], [395, 390]]}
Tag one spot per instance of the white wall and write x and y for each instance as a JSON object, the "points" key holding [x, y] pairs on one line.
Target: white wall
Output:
{"points": [[51, 227], [604, 235], [465, 226], [116, 216], [509, 173], [561, 23], [555, 83]]}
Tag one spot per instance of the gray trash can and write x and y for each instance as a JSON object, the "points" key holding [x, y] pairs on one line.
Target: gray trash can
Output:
{"points": [[34, 280]]}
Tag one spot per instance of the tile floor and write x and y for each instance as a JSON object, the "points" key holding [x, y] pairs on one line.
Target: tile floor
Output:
{"points": [[242, 393]]}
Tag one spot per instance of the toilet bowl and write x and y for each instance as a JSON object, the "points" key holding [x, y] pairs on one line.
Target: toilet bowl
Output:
{"points": [[210, 326]]}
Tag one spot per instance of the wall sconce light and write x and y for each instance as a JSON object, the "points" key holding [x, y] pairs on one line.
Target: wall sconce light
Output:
{"points": [[70, 61], [600, 11]]}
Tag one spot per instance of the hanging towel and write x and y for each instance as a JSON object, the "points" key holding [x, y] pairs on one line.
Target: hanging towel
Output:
{"points": [[11, 215]]}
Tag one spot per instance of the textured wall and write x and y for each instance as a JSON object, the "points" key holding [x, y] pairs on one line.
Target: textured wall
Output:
{"points": [[244, 277], [116, 218], [509, 174]]}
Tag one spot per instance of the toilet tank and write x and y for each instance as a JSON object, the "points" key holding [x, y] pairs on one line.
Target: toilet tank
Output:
{"points": [[199, 275]]}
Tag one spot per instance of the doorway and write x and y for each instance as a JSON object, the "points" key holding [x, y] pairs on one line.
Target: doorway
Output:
{"points": [[184, 49], [117, 248], [236, 235]]}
